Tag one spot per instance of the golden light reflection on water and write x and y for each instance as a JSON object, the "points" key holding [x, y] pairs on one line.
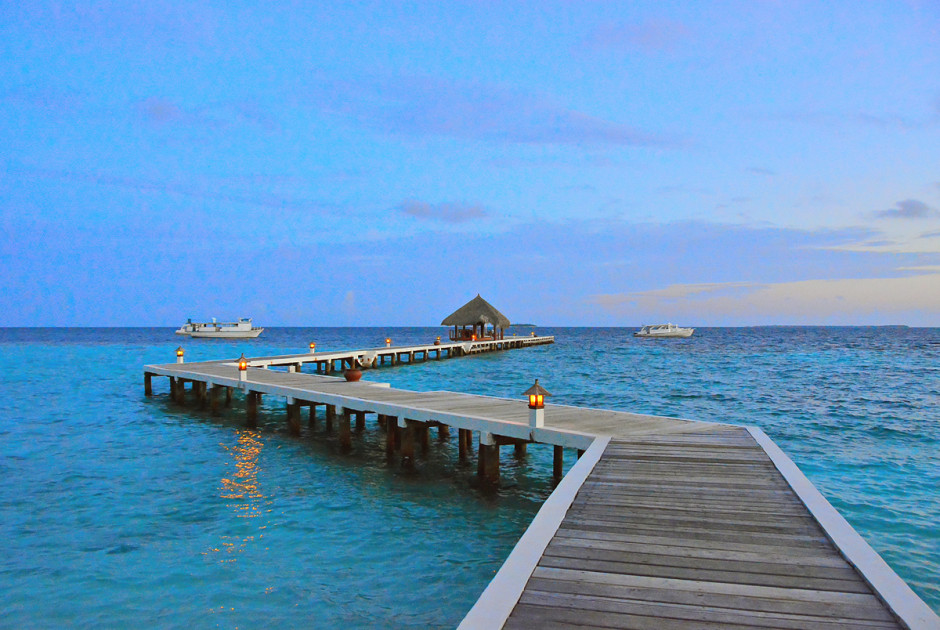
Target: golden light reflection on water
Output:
{"points": [[242, 491]]}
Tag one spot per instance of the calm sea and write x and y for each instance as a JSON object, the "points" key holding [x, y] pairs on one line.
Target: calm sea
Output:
{"points": [[122, 511]]}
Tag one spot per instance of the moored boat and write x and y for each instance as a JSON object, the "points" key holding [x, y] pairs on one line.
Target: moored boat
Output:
{"points": [[242, 329], [663, 331]]}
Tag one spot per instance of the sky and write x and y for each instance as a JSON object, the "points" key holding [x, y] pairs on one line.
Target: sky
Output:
{"points": [[380, 164]]}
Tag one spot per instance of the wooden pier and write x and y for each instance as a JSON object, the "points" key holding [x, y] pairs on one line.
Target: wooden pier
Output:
{"points": [[662, 523]]}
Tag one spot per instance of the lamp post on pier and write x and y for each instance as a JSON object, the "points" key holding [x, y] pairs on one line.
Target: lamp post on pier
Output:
{"points": [[536, 395]]}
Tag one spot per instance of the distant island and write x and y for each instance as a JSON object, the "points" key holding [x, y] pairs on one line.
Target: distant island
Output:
{"points": [[532, 325]]}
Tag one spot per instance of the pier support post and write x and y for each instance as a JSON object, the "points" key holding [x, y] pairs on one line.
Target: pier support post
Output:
{"points": [[463, 443], [520, 449], [443, 432], [558, 461], [330, 417], [424, 434], [293, 416], [251, 408], [173, 388], [580, 452], [180, 391], [228, 396], [345, 435], [312, 422], [360, 421], [391, 434], [488, 465], [201, 391], [214, 399], [407, 442], [148, 384]]}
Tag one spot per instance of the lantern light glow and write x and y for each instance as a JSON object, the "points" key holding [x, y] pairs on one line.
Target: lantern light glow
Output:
{"points": [[536, 395]]}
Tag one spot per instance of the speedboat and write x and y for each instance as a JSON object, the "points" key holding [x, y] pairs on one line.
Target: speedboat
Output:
{"points": [[664, 331], [242, 329]]}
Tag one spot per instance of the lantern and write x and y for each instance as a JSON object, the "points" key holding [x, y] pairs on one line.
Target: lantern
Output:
{"points": [[242, 368], [313, 347], [179, 354], [388, 342], [536, 395]]}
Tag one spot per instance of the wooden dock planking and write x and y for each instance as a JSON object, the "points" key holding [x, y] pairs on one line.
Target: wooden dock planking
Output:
{"points": [[667, 523], [645, 544]]}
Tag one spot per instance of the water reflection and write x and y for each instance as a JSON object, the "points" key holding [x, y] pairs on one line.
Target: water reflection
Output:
{"points": [[243, 492]]}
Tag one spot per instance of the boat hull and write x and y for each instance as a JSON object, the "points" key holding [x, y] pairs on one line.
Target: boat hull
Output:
{"points": [[673, 335], [226, 334]]}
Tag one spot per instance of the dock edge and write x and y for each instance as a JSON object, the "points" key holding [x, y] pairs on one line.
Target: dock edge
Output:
{"points": [[500, 597], [894, 592]]}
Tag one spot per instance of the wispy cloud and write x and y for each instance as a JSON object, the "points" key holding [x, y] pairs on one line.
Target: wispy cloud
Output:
{"points": [[163, 112], [908, 209], [885, 120], [757, 170], [858, 300], [434, 107], [194, 189], [651, 36], [445, 212]]}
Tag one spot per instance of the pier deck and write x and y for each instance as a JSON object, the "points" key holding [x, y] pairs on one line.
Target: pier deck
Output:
{"points": [[663, 522], [693, 530]]}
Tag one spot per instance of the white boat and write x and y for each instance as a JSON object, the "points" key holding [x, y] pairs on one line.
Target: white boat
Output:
{"points": [[664, 331], [242, 329]]}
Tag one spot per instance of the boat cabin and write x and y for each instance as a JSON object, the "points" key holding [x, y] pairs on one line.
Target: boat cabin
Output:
{"points": [[477, 320]]}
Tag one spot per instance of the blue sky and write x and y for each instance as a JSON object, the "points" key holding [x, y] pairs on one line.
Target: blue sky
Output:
{"points": [[576, 163]]}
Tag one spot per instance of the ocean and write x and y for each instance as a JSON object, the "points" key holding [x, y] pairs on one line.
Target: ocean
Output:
{"points": [[118, 510]]}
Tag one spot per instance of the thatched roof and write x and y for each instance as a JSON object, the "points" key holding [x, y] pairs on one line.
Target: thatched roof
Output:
{"points": [[476, 311]]}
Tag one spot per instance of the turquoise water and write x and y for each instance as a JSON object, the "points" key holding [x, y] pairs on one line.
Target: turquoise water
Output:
{"points": [[118, 511]]}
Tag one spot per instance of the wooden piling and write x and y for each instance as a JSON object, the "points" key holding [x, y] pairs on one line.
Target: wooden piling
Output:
{"points": [[558, 461], [360, 421], [391, 432], [293, 417], [424, 434], [345, 434], [443, 432], [488, 461], [408, 444], [520, 449], [181, 391], [251, 408], [214, 392], [463, 443], [148, 384], [330, 417], [312, 422], [200, 389], [228, 396]]}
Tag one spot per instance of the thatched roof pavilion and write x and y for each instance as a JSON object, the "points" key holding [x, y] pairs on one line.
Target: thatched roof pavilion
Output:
{"points": [[477, 313]]}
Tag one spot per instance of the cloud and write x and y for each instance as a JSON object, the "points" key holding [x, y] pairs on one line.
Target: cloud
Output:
{"points": [[907, 209], [934, 234], [161, 112], [446, 212], [428, 107], [823, 301], [196, 190], [761, 171], [652, 36], [834, 119]]}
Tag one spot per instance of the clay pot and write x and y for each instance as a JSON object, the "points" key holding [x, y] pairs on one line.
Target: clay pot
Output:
{"points": [[353, 374]]}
